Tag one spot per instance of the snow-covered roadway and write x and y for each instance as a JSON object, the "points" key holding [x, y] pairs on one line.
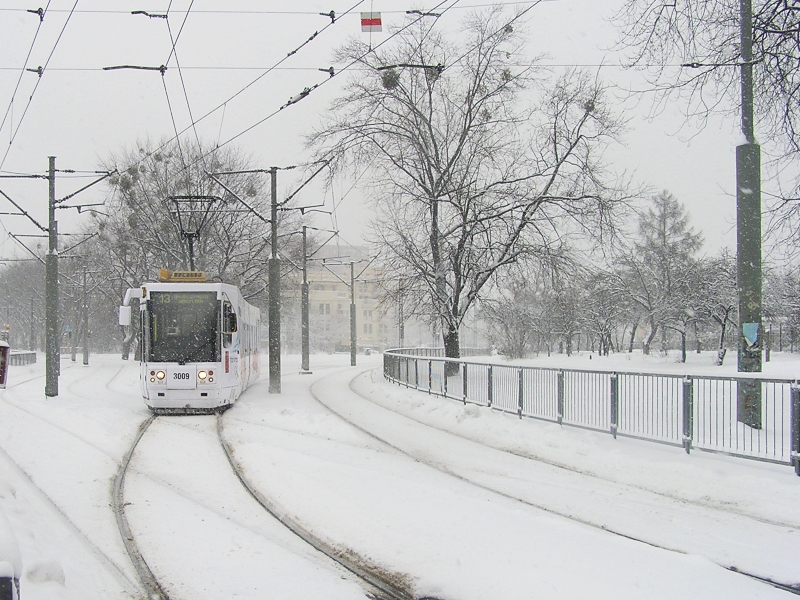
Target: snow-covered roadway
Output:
{"points": [[470, 528]]}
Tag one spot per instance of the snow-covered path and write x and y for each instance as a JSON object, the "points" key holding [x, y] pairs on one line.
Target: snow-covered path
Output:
{"points": [[366, 489]]}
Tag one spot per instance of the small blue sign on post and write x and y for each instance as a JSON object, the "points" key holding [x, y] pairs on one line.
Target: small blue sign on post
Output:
{"points": [[750, 333]]}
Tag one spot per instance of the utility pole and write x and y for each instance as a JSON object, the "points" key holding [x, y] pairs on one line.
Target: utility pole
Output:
{"points": [[304, 309], [52, 357], [32, 340], [274, 294], [85, 318], [353, 344], [401, 325], [748, 235]]}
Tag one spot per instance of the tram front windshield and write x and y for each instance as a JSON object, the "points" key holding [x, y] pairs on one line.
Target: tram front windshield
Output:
{"points": [[183, 327]]}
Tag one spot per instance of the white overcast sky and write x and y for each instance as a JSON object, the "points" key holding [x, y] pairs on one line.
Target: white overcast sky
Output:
{"points": [[81, 114]]}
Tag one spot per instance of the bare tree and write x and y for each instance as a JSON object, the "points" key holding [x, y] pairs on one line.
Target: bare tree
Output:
{"points": [[141, 232], [718, 295], [466, 181]]}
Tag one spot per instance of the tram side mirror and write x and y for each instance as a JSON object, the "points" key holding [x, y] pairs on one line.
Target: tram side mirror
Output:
{"points": [[125, 316], [233, 323], [228, 319]]}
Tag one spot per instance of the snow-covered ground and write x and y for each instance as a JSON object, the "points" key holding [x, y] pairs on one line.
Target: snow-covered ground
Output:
{"points": [[460, 502]]}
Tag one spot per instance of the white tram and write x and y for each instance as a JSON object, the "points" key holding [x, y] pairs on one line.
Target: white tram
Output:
{"points": [[199, 343]]}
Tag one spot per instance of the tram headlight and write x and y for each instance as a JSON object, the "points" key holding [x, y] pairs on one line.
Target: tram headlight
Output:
{"points": [[152, 380], [160, 375], [210, 380], [201, 375]]}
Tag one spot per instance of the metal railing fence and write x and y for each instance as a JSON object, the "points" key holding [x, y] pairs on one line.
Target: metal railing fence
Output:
{"points": [[22, 357], [689, 411]]}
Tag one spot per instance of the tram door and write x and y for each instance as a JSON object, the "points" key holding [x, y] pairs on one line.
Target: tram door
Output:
{"points": [[230, 345]]}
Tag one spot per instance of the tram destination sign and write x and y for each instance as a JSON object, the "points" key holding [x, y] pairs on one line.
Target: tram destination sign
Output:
{"points": [[182, 276]]}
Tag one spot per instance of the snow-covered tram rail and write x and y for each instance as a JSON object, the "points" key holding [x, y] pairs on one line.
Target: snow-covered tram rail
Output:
{"points": [[379, 583], [199, 343]]}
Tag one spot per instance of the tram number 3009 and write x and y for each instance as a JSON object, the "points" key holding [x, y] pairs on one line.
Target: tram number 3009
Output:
{"points": [[181, 376]]}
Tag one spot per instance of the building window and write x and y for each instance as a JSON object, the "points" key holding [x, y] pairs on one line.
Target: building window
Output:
{"points": [[367, 327], [322, 309]]}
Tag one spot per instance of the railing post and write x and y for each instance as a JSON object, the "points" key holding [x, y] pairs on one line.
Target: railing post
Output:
{"points": [[416, 373], [688, 413], [560, 399], [614, 404], [444, 375], [489, 389], [795, 426], [464, 383], [430, 375], [521, 392]]}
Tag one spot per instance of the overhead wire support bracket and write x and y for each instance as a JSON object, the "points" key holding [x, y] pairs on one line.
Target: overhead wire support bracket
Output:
{"points": [[162, 69], [84, 240], [24, 212], [331, 15], [86, 187], [16, 239], [39, 12], [236, 196], [423, 14], [438, 68], [147, 14], [305, 183], [38, 70]]}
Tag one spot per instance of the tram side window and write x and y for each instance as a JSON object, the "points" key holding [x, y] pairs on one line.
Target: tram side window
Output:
{"points": [[229, 325]]}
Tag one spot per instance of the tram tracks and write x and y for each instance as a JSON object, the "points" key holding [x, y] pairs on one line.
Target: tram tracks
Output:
{"points": [[380, 580], [148, 580], [377, 583], [793, 588]]}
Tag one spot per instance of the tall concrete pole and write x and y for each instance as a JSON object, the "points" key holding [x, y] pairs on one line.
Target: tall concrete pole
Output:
{"points": [[52, 357], [748, 234], [304, 308], [353, 331], [85, 318], [32, 340], [274, 294]]}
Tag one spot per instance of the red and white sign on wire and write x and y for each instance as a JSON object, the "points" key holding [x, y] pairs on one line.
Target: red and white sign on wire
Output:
{"points": [[371, 22]]}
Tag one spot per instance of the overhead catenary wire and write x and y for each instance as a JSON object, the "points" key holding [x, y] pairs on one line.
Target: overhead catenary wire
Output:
{"points": [[276, 12], [41, 13], [246, 87], [36, 87], [307, 91]]}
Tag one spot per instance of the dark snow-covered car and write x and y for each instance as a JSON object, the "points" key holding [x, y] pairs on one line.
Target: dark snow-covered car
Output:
{"points": [[10, 562]]}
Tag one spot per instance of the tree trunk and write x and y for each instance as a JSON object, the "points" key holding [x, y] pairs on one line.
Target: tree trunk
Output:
{"points": [[651, 336], [633, 337], [720, 356], [127, 342], [683, 346], [452, 349], [697, 347]]}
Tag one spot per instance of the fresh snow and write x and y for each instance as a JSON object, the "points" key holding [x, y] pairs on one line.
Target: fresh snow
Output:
{"points": [[460, 502]]}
